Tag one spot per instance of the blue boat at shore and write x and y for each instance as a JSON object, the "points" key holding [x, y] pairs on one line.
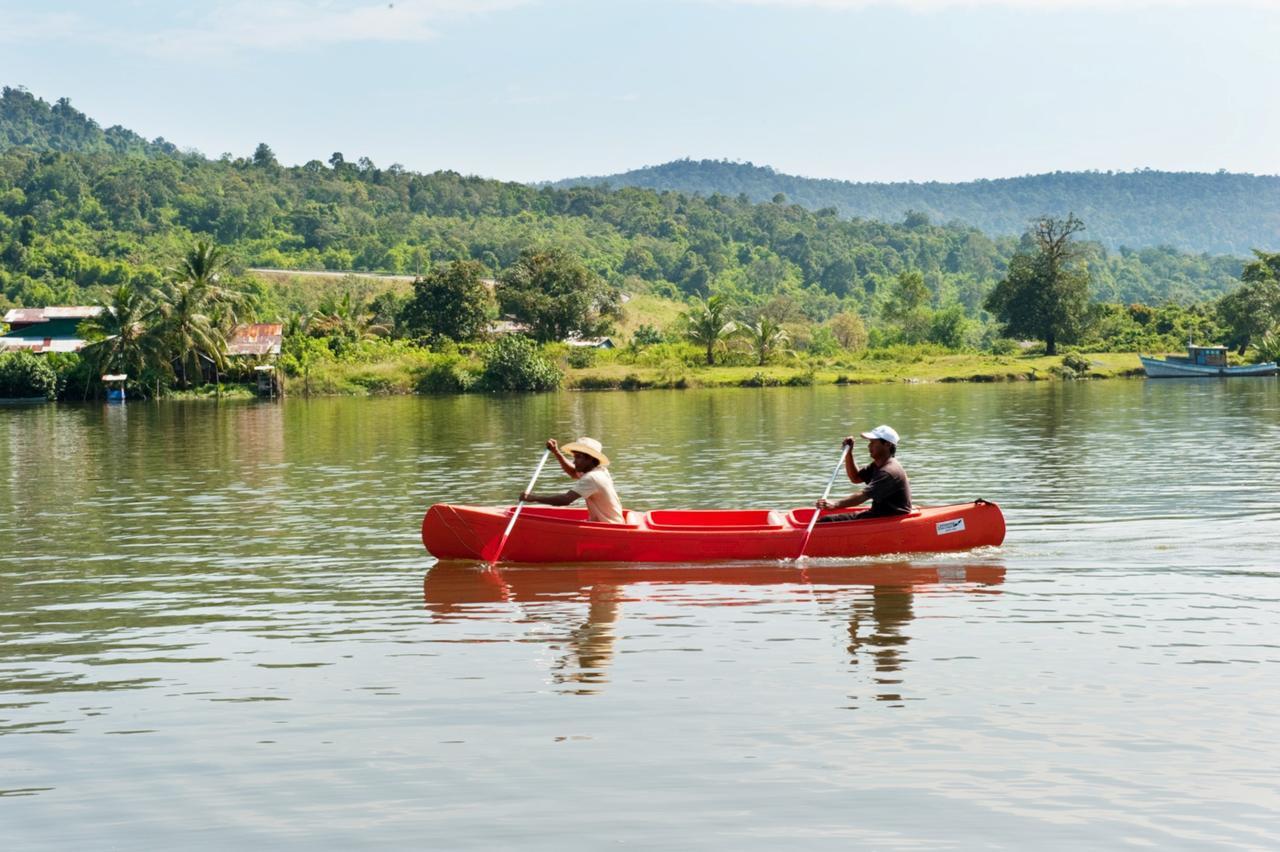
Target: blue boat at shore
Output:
{"points": [[1202, 361]]}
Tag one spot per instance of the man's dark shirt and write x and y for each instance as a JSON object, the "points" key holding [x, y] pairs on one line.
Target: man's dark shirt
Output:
{"points": [[890, 490]]}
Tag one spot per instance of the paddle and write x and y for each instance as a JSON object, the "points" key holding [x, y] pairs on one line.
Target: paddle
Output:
{"points": [[503, 541], [844, 451]]}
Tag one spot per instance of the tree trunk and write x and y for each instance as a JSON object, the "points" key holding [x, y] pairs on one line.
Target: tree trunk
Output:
{"points": [[1050, 345]]}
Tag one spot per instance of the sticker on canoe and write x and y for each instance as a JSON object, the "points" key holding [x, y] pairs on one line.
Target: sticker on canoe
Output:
{"points": [[956, 525]]}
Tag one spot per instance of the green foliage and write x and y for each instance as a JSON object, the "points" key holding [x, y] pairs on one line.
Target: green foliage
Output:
{"points": [[449, 373], [646, 335], [513, 363], [707, 324], [1268, 348], [1253, 308], [23, 375], [849, 331], [450, 302], [580, 357], [1046, 293], [765, 336], [556, 296]]}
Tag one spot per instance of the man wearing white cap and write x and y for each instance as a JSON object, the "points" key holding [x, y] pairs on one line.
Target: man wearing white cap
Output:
{"points": [[593, 481], [887, 485]]}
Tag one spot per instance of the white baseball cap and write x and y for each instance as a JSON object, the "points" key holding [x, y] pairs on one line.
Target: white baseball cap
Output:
{"points": [[883, 433]]}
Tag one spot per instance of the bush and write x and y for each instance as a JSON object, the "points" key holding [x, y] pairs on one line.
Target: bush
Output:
{"points": [[513, 363], [447, 375], [1005, 346], [581, 356], [23, 375], [1076, 363], [646, 335]]}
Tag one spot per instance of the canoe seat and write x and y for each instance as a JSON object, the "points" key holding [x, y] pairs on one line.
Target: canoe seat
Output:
{"points": [[715, 519]]}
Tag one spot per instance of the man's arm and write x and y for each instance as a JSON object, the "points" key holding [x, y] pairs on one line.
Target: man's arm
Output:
{"points": [[565, 464], [851, 467], [848, 502], [551, 499]]}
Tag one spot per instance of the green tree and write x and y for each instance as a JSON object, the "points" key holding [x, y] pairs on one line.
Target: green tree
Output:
{"points": [[906, 305], [25, 376], [123, 338], [450, 301], [765, 336], [1253, 309], [707, 324], [849, 331], [1045, 293], [345, 322], [513, 363], [556, 296]]}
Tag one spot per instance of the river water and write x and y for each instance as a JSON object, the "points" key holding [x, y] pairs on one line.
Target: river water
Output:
{"points": [[218, 626]]}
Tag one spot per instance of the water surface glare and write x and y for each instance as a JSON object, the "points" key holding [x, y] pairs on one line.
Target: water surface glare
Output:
{"points": [[218, 626]]}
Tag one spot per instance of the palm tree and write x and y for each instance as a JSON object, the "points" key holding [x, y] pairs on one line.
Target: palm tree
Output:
{"points": [[344, 322], [197, 313], [189, 331], [765, 336], [122, 338], [707, 326]]}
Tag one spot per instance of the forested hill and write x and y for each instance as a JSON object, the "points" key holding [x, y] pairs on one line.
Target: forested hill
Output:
{"points": [[31, 122], [1219, 213], [83, 209]]}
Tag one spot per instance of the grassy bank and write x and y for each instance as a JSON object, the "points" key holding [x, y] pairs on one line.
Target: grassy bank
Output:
{"points": [[866, 370]]}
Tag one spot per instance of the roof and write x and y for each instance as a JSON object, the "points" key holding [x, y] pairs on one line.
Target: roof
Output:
{"points": [[39, 345], [263, 338], [592, 342], [26, 315]]}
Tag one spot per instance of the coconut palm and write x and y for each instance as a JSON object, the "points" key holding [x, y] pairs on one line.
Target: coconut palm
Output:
{"points": [[201, 268], [344, 322], [189, 331], [122, 338], [707, 325], [765, 335]]}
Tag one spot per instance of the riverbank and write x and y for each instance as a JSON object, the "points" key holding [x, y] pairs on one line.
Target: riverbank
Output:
{"points": [[409, 373]]}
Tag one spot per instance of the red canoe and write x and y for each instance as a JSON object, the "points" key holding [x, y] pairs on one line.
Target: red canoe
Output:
{"points": [[545, 534]]}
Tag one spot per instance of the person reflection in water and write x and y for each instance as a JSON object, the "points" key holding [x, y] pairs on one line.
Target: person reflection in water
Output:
{"points": [[887, 485], [590, 645], [876, 631], [593, 481]]}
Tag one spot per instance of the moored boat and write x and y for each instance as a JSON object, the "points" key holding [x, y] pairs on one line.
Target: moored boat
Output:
{"points": [[545, 534], [1202, 361]]}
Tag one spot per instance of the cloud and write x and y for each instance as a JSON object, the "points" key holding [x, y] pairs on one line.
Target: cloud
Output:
{"points": [[261, 25], [38, 26], [1028, 5]]}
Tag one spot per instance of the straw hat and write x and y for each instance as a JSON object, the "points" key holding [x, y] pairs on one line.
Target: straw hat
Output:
{"points": [[590, 447]]}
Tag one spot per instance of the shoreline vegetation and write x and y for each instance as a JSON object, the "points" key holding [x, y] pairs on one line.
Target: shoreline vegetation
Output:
{"points": [[500, 287]]}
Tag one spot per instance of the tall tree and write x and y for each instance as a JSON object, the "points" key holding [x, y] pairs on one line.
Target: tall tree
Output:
{"points": [[707, 324], [1045, 293], [556, 296], [450, 301], [123, 337], [1253, 309]]}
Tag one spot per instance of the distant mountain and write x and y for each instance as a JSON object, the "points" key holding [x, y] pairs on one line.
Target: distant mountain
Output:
{"points": [[31, 122], [1222, 213]]}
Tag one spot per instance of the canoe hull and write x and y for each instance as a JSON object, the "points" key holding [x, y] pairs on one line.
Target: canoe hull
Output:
{"points": [[565, 536]]}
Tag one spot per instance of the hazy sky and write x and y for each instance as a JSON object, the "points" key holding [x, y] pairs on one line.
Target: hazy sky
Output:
{"points": [[545, 89]]}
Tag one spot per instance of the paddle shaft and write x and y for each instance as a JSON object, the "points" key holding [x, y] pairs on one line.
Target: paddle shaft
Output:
{"points": [[520, 505], [844, 451]]}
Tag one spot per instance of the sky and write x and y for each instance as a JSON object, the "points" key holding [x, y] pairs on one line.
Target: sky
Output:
{"points": [[531, 90]]}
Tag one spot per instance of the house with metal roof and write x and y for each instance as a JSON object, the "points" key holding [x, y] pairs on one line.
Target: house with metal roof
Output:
{"points": [[261, 340], [41, 330]]}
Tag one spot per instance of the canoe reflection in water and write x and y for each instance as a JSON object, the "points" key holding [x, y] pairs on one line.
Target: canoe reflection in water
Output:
{"points": [[876, 600]]}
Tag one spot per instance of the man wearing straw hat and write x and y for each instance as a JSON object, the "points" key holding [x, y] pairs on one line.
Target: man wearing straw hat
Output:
{"points": [[593, 481], [887, 485]]}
